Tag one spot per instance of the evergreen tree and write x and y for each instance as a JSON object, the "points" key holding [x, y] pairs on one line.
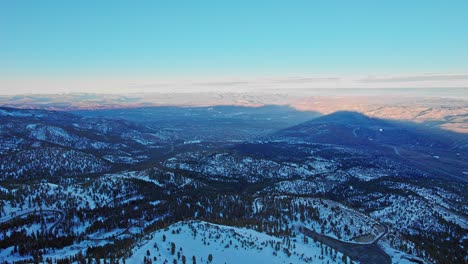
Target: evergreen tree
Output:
{"points": [[172, 248]]}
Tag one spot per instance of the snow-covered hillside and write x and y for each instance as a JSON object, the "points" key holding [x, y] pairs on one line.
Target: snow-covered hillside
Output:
{"points": [[197, 240]]}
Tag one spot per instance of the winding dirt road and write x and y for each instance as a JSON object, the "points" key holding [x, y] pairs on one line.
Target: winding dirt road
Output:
{"points": [[35, 211]]}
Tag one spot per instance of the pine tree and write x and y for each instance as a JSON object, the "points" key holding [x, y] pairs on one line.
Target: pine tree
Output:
{"points": [[172, 248]]}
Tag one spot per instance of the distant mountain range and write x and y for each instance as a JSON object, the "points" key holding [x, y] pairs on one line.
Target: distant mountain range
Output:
{"points": [[446, 113]]}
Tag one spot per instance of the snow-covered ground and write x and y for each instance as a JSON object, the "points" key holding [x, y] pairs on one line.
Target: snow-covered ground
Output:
{"points": [[226, 245], [397, 256], [323, 216], [414, 214]]}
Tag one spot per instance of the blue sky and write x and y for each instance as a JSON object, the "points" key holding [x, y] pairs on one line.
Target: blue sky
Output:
{"points": [[165, 41]]}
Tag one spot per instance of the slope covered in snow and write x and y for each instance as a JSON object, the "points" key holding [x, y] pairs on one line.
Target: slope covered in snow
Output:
{"points": [[196, 239]]}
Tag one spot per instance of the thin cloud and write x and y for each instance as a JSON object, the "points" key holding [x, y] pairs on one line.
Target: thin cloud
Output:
{"points": [[227, 83], [415, 78], [308, 79], [147, 85]]}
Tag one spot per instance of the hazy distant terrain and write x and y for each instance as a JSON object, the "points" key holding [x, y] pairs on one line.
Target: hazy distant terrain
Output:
{"points": [[443, 108]]}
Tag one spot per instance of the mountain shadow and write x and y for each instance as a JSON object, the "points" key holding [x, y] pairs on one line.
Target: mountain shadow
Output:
{"points": [[433, 150]]}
